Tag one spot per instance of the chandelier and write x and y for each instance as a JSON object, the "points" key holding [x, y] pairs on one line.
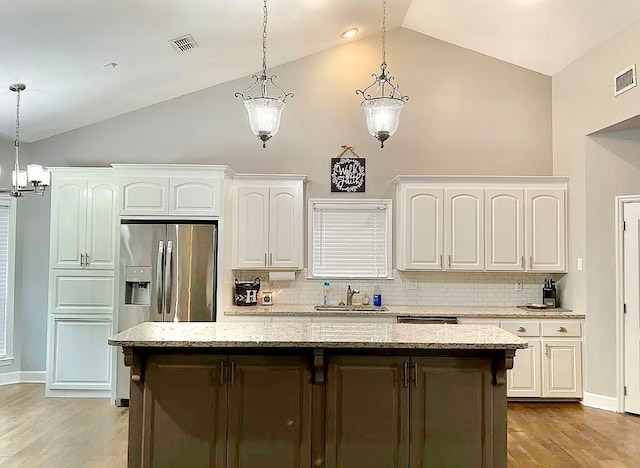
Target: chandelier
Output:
{"points": [[382, 99], [36, 178], [264, 110]]}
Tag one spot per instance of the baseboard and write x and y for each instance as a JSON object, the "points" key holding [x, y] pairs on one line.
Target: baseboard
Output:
{"points": [[607, 403], [16, 377]]}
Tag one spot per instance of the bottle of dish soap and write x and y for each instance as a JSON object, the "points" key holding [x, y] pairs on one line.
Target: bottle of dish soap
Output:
{"points": [[325, 293]]}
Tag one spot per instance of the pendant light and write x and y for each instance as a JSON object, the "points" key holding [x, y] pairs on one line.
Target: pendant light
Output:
{"points": [[383, 103], [35, 179], [264, 110]]}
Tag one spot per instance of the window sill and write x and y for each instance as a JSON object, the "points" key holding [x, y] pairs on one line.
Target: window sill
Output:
{"points": [[6, 361]]}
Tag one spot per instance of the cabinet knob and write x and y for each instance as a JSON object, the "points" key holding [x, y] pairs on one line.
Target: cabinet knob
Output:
{"points": [[521, 329], [562, 329]]}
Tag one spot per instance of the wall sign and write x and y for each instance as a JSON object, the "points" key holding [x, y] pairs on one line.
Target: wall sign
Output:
{"points": [[348, 174]]}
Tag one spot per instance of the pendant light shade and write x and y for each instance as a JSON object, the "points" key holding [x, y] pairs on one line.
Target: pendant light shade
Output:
{"points": [[264, 110], [383, 116], [383, 101], [264, 116]]}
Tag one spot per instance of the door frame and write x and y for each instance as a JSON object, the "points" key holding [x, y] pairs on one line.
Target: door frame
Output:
{"points": [[621, 201]]}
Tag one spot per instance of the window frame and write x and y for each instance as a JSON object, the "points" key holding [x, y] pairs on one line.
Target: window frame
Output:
{"points": [[350, 204], [8, 358]]}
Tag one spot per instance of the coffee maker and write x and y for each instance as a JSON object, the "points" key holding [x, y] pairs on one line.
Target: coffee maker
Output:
{"points": [[549, 294]]}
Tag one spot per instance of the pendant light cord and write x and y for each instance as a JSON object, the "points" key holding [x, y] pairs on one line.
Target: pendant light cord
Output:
{"points": [[384, 32], [16, 143], [264, 38]]}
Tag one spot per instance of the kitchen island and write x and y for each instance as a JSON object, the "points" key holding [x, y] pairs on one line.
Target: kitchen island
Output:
{"points": [[303, 394]]}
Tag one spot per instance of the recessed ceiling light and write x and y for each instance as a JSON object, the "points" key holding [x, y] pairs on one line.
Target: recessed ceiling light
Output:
{"points": [[349, 33]]}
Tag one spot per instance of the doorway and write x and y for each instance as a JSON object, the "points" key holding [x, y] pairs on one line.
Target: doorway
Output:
{"points": [[628, 282]]}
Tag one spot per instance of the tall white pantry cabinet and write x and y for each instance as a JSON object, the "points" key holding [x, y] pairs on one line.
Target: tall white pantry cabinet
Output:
{"points": [[82, 259]]}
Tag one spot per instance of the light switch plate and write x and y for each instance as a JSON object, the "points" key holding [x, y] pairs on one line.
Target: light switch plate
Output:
{"points": [[411, 283]]}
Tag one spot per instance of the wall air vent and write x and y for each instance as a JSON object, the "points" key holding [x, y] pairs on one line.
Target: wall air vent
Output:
{"points": [[625, 80], [183, 43]]}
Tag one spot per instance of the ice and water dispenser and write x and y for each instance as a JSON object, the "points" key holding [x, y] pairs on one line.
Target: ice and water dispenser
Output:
{"points": [[137, 285]]}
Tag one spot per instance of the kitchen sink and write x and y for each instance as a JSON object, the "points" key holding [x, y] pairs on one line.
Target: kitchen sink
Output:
{"points": [[351, 308]]}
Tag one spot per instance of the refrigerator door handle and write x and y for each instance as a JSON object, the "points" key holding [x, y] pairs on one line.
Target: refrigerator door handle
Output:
{"points": [[159, 276], [168, 280]]}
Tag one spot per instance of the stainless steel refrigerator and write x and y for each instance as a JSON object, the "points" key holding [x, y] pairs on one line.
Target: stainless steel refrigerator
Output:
{"points": [[167, 273]]}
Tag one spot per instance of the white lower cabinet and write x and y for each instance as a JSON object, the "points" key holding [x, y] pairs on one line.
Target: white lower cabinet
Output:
{"points": [[524, 380], [551, 366], [79, 357], [562, 373], [80, 320]]}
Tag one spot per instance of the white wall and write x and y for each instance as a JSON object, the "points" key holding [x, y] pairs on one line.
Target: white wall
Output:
{"points": [[467, 114], [583, 103]]}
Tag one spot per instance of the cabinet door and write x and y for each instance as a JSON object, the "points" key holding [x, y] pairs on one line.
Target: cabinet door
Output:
{"points": [[140, 195], [68, 222], [73, 292], [504, 229], [562, 369], [184, 412], [464, 229], [102, 219], [451, 412], [546, 238], [269, 412], [285, 227], [253, 227], [190, 196], [423, 235], [525, 378], [367, 412], [79, 355]]}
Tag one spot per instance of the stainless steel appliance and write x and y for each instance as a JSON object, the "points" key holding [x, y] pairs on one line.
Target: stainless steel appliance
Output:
{"points": [[417, 319], [167, 273]]}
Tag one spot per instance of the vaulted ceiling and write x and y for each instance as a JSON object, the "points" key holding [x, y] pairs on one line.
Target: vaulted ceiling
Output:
{"points": [[60, 49]]}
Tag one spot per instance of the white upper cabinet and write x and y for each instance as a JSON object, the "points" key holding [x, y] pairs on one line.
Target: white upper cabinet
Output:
{"points": [[140, 195], [420, 229], [505, 229], [192, 196], [486, 223], [269, 223], [160, 191], [253, 227], [464, 228], [83, 216], [546, 238]]}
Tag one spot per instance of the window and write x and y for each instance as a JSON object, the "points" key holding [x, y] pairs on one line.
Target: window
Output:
{"points": [[7, 257], [350, 238]]}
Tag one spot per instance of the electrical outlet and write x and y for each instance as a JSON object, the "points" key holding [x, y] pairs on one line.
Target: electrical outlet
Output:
{"points": [[519, 286], [411, 283]]}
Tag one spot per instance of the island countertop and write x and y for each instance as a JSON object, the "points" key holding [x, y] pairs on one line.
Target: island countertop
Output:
{"points": [[307, 310], [315, 335]]}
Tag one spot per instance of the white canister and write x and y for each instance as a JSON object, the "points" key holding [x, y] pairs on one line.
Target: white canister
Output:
{"points": [[267, 298]]}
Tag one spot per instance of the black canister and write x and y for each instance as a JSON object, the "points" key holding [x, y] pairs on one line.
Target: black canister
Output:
{"points": [[549, 294]]}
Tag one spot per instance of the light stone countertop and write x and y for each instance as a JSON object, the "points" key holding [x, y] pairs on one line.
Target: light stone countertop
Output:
{"points": [[314, 335], [395, 310]]}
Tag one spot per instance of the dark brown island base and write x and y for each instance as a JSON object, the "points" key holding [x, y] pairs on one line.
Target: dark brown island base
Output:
{"points": [[304, 395]]}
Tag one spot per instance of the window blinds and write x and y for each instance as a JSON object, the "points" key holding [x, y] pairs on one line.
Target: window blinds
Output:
{"points": [[350, 240], [4, 274]]}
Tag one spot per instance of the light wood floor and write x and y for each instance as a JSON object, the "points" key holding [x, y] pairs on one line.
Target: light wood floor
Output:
{"points": [[56, 433]]}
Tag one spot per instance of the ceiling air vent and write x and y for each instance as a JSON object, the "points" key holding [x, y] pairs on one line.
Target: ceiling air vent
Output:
{"points": [[625, 80], [183, 43]]}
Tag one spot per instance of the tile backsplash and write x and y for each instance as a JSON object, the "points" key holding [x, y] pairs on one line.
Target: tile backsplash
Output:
{"points": [[431, 288]]}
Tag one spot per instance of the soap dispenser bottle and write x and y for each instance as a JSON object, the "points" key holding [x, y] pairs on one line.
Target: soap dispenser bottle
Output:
{"points": [[325, 293]]}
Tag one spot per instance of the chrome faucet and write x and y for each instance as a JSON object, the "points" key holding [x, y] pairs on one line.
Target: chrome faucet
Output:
{"points": [[350, 293]]}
